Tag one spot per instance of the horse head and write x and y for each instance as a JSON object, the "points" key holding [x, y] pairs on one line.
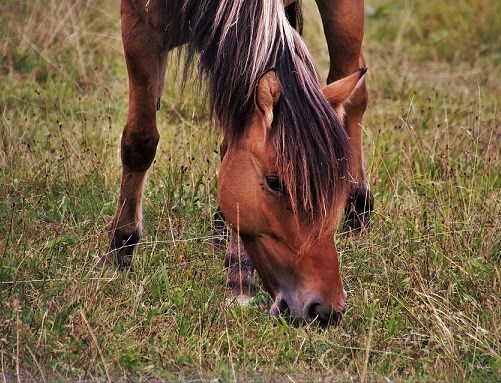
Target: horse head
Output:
{"points": [[295, 258]]}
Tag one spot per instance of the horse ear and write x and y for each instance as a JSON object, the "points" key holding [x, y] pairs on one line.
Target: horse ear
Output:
{"points": [[267, 95], [339, 92]]}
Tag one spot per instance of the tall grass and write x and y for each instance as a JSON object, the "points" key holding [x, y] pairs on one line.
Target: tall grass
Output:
{"points": [[423, 285]]}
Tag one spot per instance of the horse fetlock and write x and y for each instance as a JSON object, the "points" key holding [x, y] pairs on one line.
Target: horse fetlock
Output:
{"points": [[122, 243], [358, 210], [240, 277], [240, 283]]}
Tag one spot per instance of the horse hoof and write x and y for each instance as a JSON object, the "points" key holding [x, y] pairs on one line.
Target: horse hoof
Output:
{"points": [[121, 248], [358, 210], [124, 261]]}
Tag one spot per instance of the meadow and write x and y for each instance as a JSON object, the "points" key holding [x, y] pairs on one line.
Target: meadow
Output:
{"points": [[424, 285]]}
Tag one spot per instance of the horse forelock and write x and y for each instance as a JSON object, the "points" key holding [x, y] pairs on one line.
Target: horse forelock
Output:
{"points": [[239, 40], [314, 152]]}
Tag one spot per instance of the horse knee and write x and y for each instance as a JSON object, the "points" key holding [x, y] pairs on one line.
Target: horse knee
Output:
{"points": [[138, 148]]}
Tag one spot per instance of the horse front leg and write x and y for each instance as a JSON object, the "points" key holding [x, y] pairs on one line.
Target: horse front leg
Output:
{"points": [[146, 70], [240, 272], [360, 201], [239, 284], [343, 22]]}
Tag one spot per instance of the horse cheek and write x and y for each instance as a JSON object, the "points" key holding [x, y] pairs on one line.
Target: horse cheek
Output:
{"points": [[238, 195]]}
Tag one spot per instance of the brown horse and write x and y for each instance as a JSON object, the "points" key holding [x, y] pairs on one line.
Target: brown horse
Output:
{"points": [[288, 165]]}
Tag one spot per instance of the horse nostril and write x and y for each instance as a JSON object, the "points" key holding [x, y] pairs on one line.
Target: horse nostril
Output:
{"points": [[312, 311], [283, 308], [322, 315]]}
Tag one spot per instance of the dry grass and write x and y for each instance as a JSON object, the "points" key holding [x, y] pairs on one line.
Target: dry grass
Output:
{"points": [[424, 285]]}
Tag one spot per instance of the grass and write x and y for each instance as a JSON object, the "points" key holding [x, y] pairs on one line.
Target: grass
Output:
{"points": [[423, 285]]}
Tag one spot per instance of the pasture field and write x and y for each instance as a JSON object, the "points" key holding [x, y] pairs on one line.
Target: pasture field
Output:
{"points": [[424, 285]]}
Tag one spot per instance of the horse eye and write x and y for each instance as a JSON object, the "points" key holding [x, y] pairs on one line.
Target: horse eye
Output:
{"points": [[273, 182]]}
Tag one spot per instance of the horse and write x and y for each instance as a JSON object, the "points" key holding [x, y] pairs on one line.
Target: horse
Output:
{"points": [[291, 155]]}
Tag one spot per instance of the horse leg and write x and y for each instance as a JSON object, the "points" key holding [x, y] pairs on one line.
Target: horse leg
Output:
{"points": [[343, 22], [240, 271], [239, 282], [220, 230], [146, 70]]}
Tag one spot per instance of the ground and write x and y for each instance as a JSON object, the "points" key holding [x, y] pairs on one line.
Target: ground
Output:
{"points": [[423, 286]]}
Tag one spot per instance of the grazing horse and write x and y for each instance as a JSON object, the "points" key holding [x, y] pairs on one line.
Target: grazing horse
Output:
{"points": [[288, 168]]}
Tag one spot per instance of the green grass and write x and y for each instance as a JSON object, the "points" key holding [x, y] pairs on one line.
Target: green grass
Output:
{"points": [[423, 285]]}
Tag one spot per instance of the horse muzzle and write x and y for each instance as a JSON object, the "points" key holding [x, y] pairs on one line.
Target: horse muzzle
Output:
{"points": [[312, 310]]}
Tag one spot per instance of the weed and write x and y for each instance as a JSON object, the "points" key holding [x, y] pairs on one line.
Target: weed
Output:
{"points": [[423, 285]]}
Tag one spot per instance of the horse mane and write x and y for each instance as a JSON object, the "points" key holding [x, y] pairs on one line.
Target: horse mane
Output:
{"points": [[294, 14], [237, 42]]}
